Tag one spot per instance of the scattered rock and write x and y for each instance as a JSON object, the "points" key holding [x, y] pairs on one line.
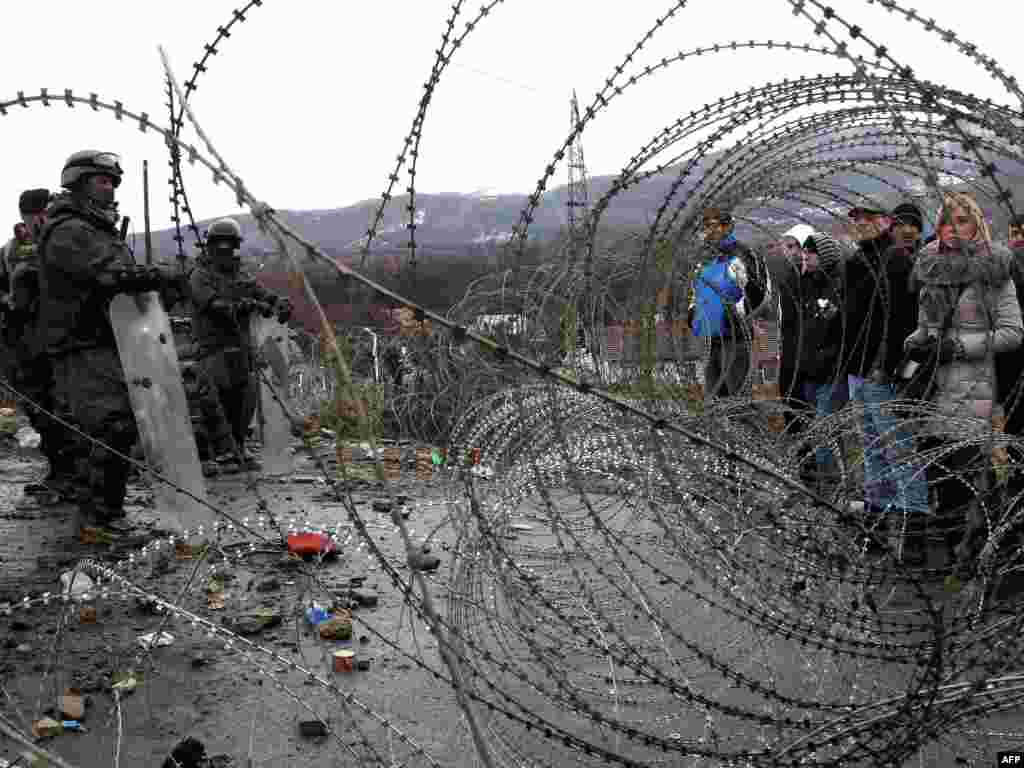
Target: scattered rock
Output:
{"points": [[363, 665], [148, 606], [382, 505], [190, 753], [151, 639], [313, 729], [269, 584], [364, 600], [20, 626], [420, 561], [200, 660], [24, 648], [252, 622], [289, 562]]}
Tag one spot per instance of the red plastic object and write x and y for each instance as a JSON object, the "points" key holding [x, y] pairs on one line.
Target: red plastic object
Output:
{"points": [[303, 544]]}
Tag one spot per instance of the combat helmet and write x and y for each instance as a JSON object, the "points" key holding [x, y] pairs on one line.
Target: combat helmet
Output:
{"points": [[225, 229], [90, 162]]}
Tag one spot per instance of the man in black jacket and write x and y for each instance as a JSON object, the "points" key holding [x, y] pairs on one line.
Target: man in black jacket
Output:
{"points": [[880, 311], [810, 307]]}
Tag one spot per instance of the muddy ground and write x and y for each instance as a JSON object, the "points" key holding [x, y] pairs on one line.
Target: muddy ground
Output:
{"points": [[195, 687]]}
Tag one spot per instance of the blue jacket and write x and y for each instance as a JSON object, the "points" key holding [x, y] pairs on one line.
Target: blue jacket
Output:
{"points": [[719, 286]]}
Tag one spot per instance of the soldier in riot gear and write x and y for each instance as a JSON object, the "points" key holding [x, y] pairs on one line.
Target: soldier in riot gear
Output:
{"points": [[83, 264], [224, 298], [28, 368]]}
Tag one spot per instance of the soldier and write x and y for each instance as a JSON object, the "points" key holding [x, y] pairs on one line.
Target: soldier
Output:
{"points": [[224, 298], [29, 370], [83, 265]]}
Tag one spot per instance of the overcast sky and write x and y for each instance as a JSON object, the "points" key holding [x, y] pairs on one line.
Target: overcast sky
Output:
{"points": [[309, 100]]}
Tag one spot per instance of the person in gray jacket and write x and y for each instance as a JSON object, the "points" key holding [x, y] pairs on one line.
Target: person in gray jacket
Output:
{"points": [[968, 314]]}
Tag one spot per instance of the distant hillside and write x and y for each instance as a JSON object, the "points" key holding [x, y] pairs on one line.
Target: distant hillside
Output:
{"points": [[459, 236], [474, 225]]}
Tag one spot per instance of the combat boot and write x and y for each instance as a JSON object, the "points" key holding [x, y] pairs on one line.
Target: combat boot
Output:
{"points": [[96, 514]]}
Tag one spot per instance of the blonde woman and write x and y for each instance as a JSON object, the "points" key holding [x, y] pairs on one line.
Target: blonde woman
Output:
{"points": [[968, 313]]}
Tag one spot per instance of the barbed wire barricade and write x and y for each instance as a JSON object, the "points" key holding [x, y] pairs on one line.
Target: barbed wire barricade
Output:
{"points": [[641, 572]]}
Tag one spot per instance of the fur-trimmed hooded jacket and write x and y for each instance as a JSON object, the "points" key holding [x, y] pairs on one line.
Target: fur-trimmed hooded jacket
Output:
{"points": [[975, 282]]}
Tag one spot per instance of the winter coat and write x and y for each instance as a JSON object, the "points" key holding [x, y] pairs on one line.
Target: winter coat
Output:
{"points": [[734, 284], [977, 283], [879, 308], [1010, 365], [811, 325], [77, 249], [19, 280], [213, 328]]}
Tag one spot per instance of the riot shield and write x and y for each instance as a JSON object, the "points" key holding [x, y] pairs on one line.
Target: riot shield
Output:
{"points": [[270, 345], [149, 358]]}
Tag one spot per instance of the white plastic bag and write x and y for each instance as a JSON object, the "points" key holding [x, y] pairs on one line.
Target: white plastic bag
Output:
{"points": [[82, 586], [28, 438]]}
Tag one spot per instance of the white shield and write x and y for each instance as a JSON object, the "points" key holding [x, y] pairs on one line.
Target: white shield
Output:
{"points": [[149, 358]]}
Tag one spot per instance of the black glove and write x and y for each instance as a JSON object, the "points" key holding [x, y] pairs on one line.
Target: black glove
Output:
{"points": [[950, 349], [245, 306], [284, 311], [923, 350], [139, 279], [691, 315]]}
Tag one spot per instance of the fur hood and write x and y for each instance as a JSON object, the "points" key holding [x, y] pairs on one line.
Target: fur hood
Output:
{"points": [[973, 262], [940, 276]]}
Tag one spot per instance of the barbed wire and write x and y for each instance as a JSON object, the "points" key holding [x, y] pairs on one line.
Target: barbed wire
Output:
{"points": [[634, 559]]}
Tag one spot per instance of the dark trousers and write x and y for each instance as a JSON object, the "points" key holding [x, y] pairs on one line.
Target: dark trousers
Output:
{"points": [[89, 386], [961, 481], [212, 430], [727, 366], [230, 373], [31, 375]]}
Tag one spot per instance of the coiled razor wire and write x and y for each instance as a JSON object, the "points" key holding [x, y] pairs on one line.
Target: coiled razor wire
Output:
{"points": [[641, 580]]}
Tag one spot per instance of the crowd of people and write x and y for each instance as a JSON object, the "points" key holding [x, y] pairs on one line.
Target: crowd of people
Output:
{"points": [[881, 320], [58, 347]]}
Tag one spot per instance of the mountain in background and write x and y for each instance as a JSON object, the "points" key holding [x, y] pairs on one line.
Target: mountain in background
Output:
{"points": [[474, 225], [459, 236], [467, 223]]}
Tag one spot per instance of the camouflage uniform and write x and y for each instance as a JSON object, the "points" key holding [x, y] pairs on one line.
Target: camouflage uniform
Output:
{"points": [[210, 424], [222, 303], [27, 366], [83, 265]]}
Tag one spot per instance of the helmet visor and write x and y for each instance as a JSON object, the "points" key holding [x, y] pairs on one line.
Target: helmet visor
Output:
{"points": [[108, 161]]}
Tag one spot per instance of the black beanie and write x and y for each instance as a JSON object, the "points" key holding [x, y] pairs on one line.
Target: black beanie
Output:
{"points": [[908, 213], [33, 200]]}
